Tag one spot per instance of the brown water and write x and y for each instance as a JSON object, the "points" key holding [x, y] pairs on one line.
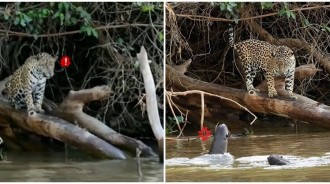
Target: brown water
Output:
{"points": [[309, 153], [61, 167]]}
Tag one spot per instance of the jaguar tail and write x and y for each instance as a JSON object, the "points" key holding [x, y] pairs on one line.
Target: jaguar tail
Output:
{"points": [[231, 35]]}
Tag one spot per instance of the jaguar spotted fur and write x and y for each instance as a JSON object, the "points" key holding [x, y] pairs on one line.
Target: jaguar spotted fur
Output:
{"points": [[26, 86], [271, 60]]}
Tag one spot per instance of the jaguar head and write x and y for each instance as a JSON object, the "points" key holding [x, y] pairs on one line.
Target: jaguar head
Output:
{"points": [[47, 64], [284, 59]]}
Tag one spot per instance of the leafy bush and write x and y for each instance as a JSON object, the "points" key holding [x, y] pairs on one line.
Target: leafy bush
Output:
{"points": [[62, 13]]}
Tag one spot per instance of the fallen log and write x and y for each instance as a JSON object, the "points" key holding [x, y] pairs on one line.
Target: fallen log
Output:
{"points": [[61, 130], [303, 109], [301, 72], [71, 109]]}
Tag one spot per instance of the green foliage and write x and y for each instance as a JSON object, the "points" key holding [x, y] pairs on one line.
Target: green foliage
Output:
{"points": [[122, 45], [286, 11], [230, 9], [325, 27], [89, 30], [228, 6], [161, 36], [305, 22], [266, 5], [147, 7], [62, 13], [171, 123]]}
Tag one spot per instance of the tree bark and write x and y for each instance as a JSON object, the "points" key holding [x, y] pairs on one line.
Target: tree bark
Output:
{"points": [[303, 109]]}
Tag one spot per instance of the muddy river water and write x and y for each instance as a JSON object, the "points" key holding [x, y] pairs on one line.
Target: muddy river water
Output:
{"points": [[37, 167], [308, 152]]}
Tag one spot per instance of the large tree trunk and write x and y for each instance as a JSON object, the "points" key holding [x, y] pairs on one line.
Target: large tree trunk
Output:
{"points": [[303, 109]]}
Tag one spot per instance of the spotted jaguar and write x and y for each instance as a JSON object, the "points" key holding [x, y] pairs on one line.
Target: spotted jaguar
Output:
{"points": [[271, 60], [26, 86]]}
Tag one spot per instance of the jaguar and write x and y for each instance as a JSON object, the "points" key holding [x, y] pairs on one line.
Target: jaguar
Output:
{"points": [[272, 60], [25, 88]]}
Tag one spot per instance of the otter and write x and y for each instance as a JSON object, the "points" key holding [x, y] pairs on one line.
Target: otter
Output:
{"points": [[218, 151], [220, 144], [277, 160], [220, 141]]}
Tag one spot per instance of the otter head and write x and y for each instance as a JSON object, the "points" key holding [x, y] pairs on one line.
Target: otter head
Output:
{"points": [[220, 141]]}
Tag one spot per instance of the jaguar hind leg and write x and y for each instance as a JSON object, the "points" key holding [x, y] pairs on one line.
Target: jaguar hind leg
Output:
{"points": [[271, 85], [249, 77]]}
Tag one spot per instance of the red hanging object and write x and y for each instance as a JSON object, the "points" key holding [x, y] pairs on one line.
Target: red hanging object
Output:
{"points": [[65, 62], [204, 134]]}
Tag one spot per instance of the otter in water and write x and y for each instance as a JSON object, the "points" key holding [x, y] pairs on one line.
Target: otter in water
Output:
{"points": [[220, 141], [220, 144], [277, 160], [218, 151]]}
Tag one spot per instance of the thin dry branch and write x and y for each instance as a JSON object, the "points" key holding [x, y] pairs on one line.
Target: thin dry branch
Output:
{"points": [[202, 93], [22, 34], [170, 102], [216, 19]]}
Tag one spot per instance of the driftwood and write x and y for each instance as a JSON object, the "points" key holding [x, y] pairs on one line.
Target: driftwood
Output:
{"points": [[61, 130], [151, 100], [303, 109], [95, 143], [71, 109]]}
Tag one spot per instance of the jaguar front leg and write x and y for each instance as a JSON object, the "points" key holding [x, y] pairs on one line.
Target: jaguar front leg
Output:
{"points": [[38, 96], [29, 103], [289, 83]]}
